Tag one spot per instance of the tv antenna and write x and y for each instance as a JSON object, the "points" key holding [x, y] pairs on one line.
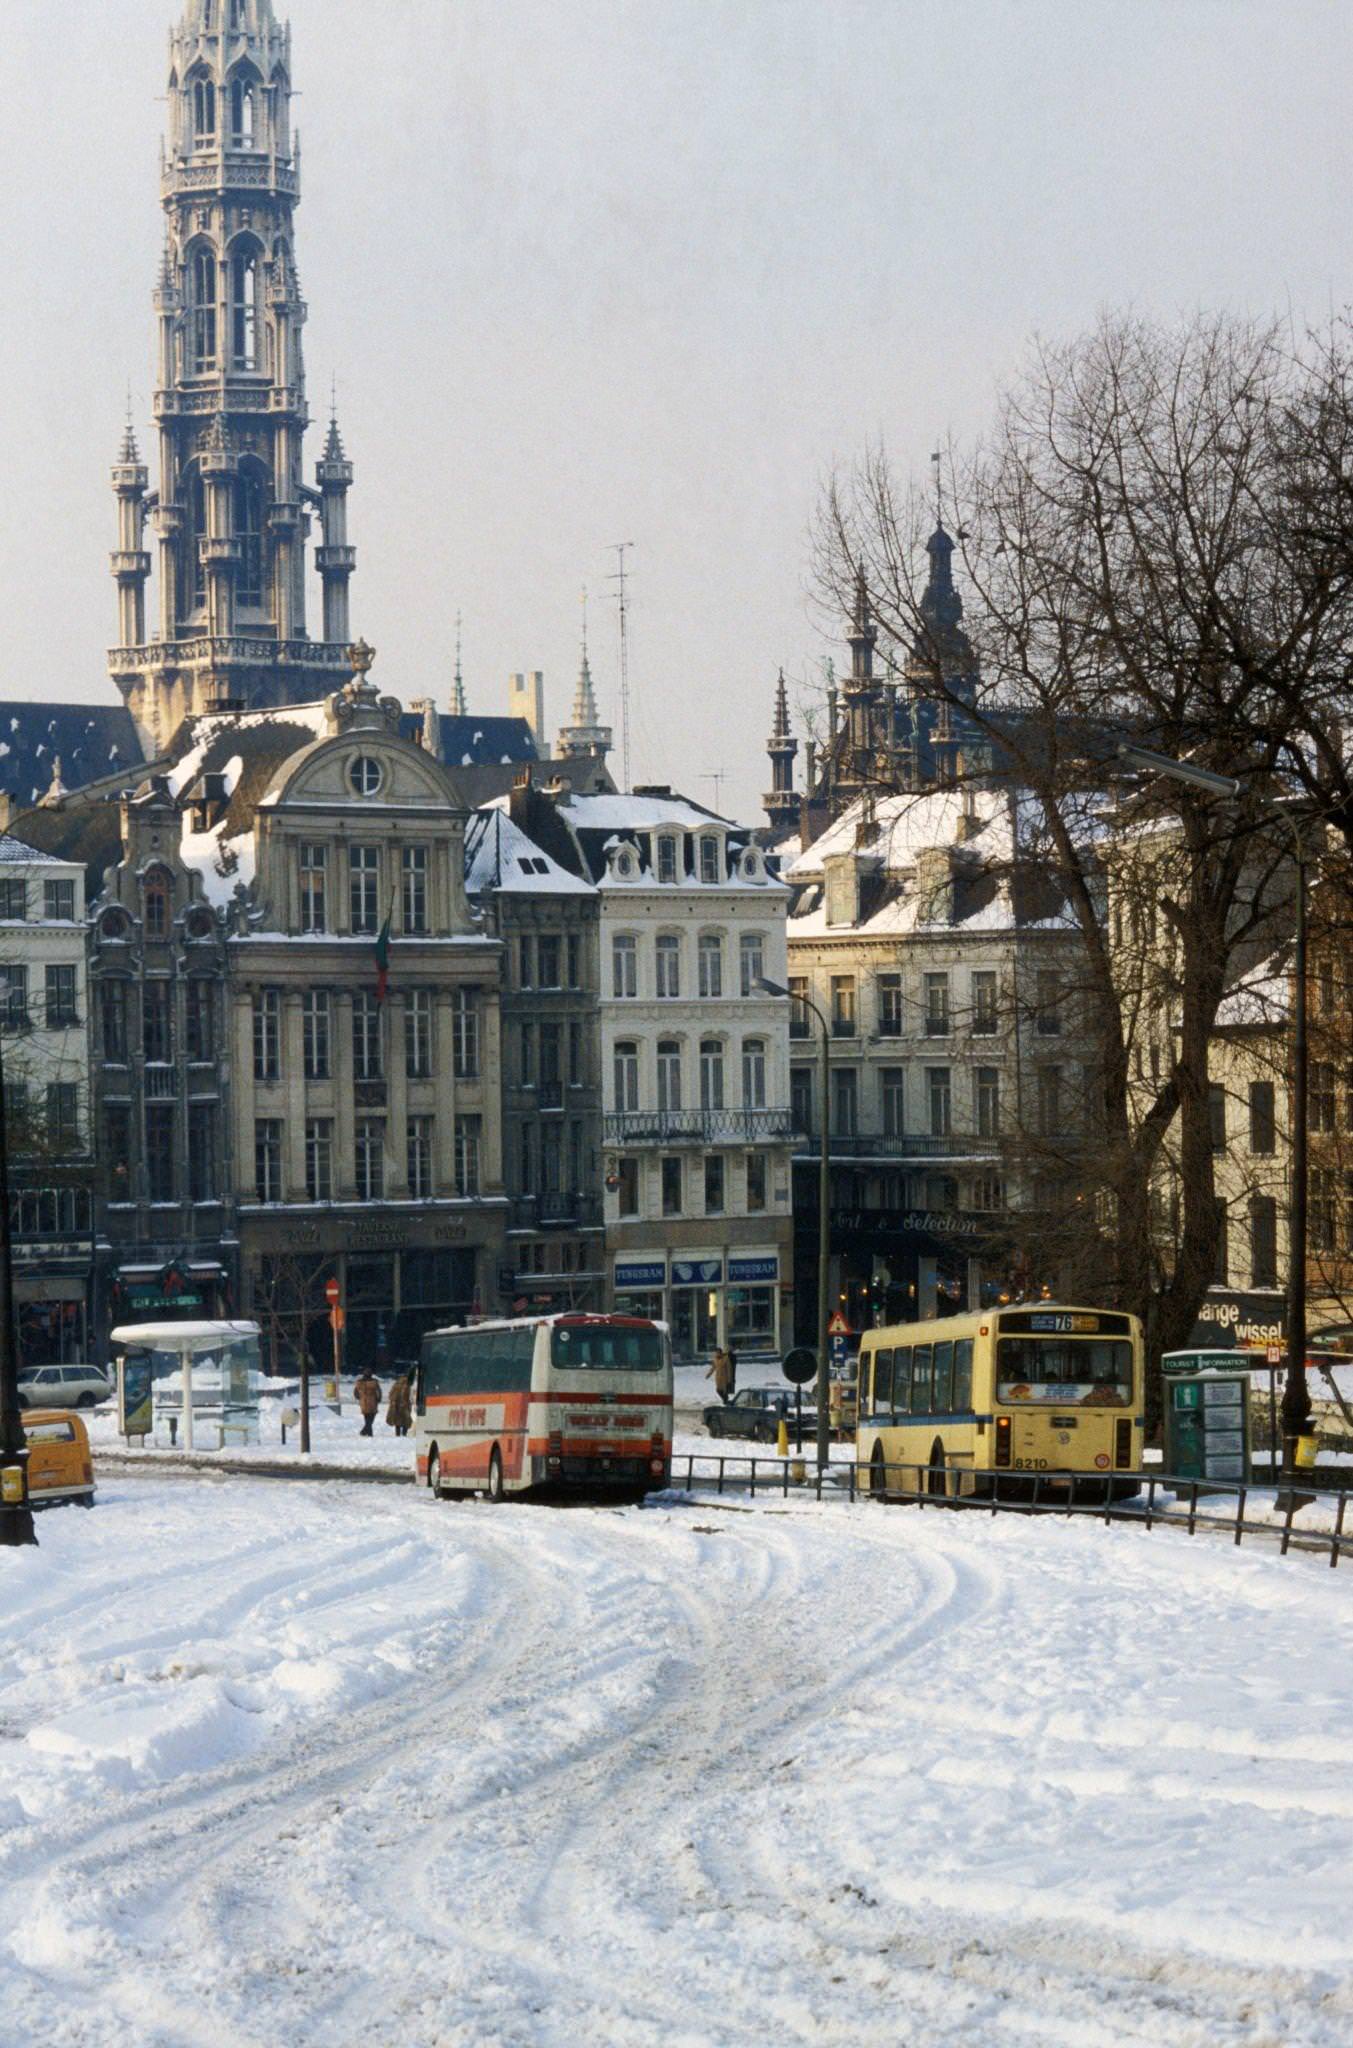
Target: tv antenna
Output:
{"points": [[718, 776], [620, 548]]}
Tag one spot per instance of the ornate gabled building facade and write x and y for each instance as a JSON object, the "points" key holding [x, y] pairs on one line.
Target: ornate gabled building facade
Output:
{"points": [[231, 511]]}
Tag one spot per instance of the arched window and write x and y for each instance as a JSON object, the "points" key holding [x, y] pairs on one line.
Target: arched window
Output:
{"points": [[238, 18], [203, 286], [244, 309], [157, 898], [195, 579], [243, 105], [249, 524], [669, 1074], [204, 111]]}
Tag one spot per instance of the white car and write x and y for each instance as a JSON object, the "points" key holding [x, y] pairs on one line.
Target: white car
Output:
{"points": [[63, 1386]]}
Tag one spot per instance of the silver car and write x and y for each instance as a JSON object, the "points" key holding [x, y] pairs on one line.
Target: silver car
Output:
{"points": [[63, 1386]]}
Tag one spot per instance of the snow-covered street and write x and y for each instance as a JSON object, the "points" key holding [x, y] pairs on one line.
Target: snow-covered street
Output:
{"points": [[285, 1766]]}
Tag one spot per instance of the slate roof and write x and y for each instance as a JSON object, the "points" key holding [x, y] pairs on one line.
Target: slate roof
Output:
{"points": [[91, 741], [89, 831], [473, 742]]}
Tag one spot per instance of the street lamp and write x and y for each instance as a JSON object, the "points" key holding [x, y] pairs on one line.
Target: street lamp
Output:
{"points": [[16, 1515], [824, 1231], [1296, 1404]]}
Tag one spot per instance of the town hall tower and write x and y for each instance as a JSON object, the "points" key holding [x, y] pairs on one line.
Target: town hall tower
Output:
{"points": [[232, 513]]}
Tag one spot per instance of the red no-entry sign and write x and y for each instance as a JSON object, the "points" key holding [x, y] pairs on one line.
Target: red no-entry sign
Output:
{"points": [[331, 1293]]}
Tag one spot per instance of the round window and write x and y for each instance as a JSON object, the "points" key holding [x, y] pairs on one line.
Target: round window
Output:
{"points": [[115, 925], [625, 864], [200, 924], [365, 775]]}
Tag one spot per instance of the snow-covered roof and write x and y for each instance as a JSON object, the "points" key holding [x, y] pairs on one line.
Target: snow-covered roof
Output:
{"points": [[892, 830], [988, 875], [17, 853], [1263, 997], [639, 812], [502, 857], [167, 1336]]}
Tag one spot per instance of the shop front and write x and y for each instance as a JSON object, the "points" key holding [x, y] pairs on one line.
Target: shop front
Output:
{"points": [[397, 1279], [708, 1299]]}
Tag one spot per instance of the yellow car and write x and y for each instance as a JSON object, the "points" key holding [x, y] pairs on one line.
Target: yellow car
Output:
{"points": [[60, 1463]]}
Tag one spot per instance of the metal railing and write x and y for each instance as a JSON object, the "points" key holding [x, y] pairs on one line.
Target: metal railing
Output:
{"points": [[1158, 1500], [697, 1126]]}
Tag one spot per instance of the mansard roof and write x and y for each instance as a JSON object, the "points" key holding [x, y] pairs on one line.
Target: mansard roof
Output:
{"points": [[91, 741]]}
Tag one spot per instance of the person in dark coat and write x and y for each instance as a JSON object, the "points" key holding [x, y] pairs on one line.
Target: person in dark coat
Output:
{"points": [[367, 1393], [399, 1408]]}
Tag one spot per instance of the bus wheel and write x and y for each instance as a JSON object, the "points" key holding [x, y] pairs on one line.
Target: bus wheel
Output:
{"points": [[434, 1473], [878, 1474], [938, 1482], [495, 1485]]}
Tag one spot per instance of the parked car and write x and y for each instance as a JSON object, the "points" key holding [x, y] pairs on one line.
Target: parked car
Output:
{"points": [[60, 1465], [63, 1386], [755, 1413]]}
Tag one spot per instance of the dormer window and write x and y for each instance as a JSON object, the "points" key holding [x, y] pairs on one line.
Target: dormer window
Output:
{"points": [[709, 858], [365, 776], [624, 866], [667, 857]]}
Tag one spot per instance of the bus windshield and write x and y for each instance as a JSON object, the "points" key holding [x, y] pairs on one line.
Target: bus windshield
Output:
{"points": [[1093, 1370], [607, 1347]]}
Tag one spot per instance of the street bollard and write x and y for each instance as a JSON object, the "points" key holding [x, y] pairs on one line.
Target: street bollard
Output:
{"points": [[782, 1438]]}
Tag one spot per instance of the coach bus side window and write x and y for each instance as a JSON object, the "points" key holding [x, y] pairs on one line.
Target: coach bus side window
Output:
{"points": [[963, 1375], [920, 1380], [883, 1381], [902, 1380], [944, 1367], [523, 1343]]}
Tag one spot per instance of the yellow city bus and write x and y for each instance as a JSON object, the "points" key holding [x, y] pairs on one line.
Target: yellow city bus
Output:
{"points": [[982, 1403]]}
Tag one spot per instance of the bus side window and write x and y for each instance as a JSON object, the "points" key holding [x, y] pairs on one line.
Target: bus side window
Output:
{"points": [[944, 1372], [902, 1380], [883, 1381], [523, 1344], [963, 1375], [920, 1380]]}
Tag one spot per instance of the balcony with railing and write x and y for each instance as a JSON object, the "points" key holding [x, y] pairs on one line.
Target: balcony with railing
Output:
{"points": [[556, 1210], [923, 1147], [700, 1127]]}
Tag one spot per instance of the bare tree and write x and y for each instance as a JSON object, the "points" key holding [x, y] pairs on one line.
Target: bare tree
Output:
{"points": [[1127, 540]]}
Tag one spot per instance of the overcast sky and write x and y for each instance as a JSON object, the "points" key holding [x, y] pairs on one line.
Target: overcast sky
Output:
{"points": [[603, 270]]}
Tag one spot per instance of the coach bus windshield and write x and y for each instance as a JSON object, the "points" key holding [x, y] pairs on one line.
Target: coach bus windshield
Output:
{"points": [[607, 1347], [1092, 1370]]}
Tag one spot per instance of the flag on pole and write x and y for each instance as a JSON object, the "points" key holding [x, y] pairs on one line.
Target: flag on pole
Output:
{"points": [[383, 961]]}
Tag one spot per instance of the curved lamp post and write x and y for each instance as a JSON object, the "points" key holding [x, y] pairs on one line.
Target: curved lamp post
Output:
{"points": [[824, 1232]]}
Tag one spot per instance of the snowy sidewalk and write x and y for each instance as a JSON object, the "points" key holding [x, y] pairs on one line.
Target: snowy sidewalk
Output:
{"points": [[336, 1765]]}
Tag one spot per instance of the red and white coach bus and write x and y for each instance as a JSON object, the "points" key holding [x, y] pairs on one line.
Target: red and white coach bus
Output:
{"points": [[582, 1401]]}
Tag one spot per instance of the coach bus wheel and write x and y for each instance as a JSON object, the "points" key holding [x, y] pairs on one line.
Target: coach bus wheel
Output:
{"points": [[495, 1486], [938, 1483], [434, 1473], [878, 1473]]}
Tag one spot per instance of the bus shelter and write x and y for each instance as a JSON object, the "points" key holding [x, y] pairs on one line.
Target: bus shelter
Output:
{"points": [[194, 1384]]}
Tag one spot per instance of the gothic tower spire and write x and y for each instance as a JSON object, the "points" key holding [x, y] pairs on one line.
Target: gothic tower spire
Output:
{"points": [[781, 803], [586, 734], [458, 709], [232, 513]]}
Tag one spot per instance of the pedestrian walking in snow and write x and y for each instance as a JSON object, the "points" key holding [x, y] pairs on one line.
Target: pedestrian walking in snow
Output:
{"points": [[367, 1393], [731, 1355], [399, 1408], [724, 1375]]}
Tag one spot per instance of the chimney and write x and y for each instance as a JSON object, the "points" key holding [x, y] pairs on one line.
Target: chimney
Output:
{"points": [[935, 885], [526, 699]]}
